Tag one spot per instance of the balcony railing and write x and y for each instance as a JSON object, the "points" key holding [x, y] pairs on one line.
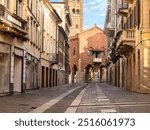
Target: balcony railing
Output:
{"points": [[109, 29], [126, 40], [11, 23], [129, 1], [97, 60], [123, 10], [128, 35]]}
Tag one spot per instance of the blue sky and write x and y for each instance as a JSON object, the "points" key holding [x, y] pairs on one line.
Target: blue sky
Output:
{"points": [[94, 12]]}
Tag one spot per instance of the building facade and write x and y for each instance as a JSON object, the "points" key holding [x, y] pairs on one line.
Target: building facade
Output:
{"points": [[63, 42], [30, 46], [13, 37], [75, 8], [34, 44], [49, 54], [129, 60], [87, 55]]}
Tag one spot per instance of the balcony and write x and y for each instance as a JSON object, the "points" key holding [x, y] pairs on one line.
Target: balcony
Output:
{"points": [[97, 60], [126, 41], [53, 58], [12, 24], [128, 1], [123, 10], [109, 30]]}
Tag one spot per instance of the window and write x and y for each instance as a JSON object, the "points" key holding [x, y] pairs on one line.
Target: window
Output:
{"points": [[78, 12], [5, 2], [73, 11], [77, 26], [74, 51], [19, 8]]}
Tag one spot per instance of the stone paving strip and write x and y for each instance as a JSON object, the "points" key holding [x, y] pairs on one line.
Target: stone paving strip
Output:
{"points": [[62, 105], [73, 107], [108, 110], [103, 99], [95, 101], [52, 102]]}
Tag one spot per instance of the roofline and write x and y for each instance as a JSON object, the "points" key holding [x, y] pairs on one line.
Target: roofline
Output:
{"points": [[62, 30], [95, 26], [51, 8]]}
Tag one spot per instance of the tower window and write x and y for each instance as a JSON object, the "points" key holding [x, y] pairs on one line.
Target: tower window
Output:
{"points": [[78, 12], [73, 11], [77, 26]]}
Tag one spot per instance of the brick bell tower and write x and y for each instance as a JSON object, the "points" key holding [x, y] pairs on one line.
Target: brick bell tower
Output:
{"points": [[76, 10]]}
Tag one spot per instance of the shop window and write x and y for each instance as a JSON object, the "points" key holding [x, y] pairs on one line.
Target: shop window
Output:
{"points": [[4, 67]]}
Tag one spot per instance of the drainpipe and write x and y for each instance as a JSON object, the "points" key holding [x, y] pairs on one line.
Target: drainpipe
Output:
{"points": [[56, 38]]}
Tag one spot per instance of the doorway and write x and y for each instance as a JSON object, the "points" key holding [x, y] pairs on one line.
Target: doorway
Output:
{"points": [[18, 63], [89, 73]]}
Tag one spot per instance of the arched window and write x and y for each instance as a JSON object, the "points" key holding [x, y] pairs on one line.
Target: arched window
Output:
{"points": [[78, 12], [73, 11], [77, 26], [74, 51]]}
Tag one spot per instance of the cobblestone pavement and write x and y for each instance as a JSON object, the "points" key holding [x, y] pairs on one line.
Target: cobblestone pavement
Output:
{"points": [[79, 98]]}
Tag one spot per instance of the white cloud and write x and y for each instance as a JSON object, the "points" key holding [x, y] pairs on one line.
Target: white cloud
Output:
{"points": [[98, 6]]}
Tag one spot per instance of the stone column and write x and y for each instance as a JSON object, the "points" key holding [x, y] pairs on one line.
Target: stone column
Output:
{"points": [[12, 70], [80, 73], [95, 77], [24, 72]]}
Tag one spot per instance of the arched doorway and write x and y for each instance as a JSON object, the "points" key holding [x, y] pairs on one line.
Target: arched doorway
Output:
{"points": [[102, 73], [74, 74], [89, 73]]}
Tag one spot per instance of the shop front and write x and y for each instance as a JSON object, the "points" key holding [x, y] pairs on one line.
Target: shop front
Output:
{"points": [[4, 68]]}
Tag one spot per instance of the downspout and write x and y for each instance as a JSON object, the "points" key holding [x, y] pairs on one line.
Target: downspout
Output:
{"points": [[56, 49]]}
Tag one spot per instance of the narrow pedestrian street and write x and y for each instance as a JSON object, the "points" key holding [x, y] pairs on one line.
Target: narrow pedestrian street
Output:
{"points": [[77, 98]]}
